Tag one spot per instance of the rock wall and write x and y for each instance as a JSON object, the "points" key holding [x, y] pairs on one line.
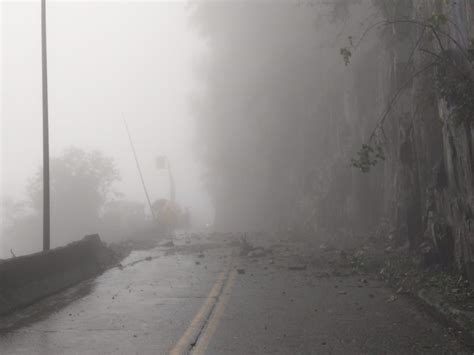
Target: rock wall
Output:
{"points": [[26, 279], [283, 116], [426, 182]]}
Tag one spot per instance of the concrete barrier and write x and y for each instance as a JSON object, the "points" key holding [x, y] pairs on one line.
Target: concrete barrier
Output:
{"points": [[26, 279]]}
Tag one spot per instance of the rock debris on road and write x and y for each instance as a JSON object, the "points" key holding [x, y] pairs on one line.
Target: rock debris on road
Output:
{"points": [[284, 298]]}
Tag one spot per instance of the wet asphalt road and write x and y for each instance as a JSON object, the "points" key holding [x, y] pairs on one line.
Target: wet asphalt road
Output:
{"points": [[214, 295]]}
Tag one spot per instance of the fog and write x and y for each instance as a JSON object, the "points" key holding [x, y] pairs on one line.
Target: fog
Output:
{"points": [[238, 177], [260, 107], [247, 100], [106, 61], [275, 124]]}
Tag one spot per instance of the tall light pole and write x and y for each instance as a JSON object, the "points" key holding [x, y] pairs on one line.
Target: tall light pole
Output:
{"points": [[46, 204]]}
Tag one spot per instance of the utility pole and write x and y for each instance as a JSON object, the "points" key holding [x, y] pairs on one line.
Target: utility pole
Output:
{"points": [[46, 204]]}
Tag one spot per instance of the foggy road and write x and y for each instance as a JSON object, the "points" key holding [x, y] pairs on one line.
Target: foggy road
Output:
{"points": [[342, 130], [216, 295]]}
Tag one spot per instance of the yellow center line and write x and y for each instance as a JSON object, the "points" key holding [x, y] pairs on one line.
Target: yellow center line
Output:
{"points": [[216, 315], [189, 337]]}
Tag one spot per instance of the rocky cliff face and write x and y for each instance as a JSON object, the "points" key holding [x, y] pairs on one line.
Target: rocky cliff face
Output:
{"points": [[426, 182], [283, 117], [445, 163]]}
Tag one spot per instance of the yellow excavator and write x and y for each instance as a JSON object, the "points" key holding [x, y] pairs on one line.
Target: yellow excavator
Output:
{"points": [[169, 216], [167, 212]]}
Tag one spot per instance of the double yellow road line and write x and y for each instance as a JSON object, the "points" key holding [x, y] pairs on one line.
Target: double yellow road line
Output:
{"points": [[197, 336]]}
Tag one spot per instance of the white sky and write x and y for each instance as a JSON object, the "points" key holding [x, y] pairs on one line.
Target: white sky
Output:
{"points": [[104, 59]]}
